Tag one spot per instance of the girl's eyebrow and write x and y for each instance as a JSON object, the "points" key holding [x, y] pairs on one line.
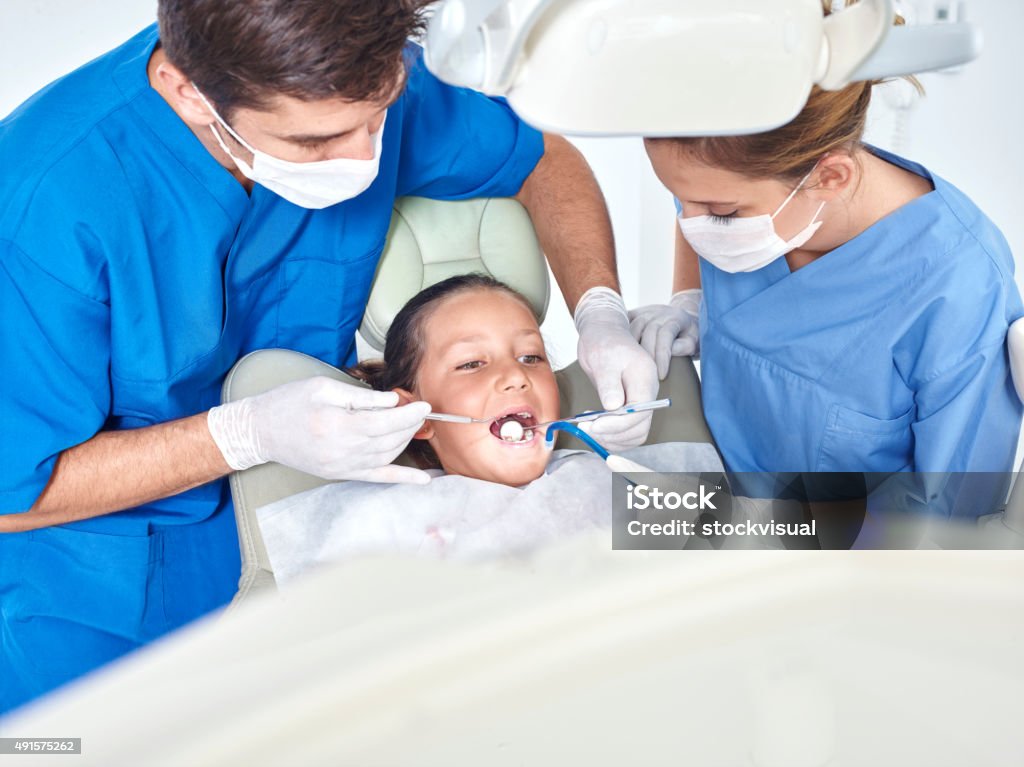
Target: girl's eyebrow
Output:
{"points": [[467, 340], [479, 337]]}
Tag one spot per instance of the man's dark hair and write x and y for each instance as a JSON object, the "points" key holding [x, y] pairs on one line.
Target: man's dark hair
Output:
{"points": [[242, 53]]}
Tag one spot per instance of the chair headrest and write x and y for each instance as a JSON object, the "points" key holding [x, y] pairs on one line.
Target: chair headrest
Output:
{"points": [[431, 240], [1015, 344]]}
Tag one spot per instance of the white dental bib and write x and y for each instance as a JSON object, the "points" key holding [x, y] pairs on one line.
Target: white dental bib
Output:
{"points": [[456, 517]]}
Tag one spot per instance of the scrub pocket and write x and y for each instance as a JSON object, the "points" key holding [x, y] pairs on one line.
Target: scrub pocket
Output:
{"points": [[81, 600], [855, 442], [323, 302]]}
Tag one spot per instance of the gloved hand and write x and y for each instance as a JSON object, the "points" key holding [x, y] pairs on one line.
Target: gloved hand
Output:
{"points": [[314, 426], [669, 330], [620, 370]]}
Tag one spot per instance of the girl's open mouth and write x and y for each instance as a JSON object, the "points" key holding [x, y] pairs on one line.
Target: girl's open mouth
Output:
{"points": [[515, 428]]}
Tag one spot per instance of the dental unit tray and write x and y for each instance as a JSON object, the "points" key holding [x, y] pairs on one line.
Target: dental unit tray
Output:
{"points": [[676, 67]]}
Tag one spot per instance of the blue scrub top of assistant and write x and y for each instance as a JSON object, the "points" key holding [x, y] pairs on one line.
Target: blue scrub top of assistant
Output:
{"points": [[135, 270], [886, 354]]}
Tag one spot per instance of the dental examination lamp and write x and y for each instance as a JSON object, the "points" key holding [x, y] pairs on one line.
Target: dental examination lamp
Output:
{"points": [[676, 67]]}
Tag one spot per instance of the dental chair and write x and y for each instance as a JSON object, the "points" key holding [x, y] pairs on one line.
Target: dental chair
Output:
{"points": [[1009, 521], [429, 241]]}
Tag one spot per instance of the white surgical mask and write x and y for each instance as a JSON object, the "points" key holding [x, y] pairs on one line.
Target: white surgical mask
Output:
{"points": [[313, 185], [745, 244]]}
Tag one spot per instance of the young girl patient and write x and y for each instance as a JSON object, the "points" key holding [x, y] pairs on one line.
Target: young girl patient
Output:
{"points": [[469, 345]]}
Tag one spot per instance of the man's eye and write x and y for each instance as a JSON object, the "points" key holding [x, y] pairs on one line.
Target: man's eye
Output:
{"points": [[531, 359], [471, 365]]}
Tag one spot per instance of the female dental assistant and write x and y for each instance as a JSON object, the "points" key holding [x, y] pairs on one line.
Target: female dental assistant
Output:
{"points": [[855, 305], [221, 186]]}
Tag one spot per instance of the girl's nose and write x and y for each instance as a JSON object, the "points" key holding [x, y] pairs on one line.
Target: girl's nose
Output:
{"points": [[512, 377]]}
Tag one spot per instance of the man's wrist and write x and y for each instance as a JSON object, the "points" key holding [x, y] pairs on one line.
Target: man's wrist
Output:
{"points": [[233, 431]]}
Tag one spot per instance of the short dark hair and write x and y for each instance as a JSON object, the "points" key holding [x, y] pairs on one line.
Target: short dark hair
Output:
{"points": [[241, 53]]}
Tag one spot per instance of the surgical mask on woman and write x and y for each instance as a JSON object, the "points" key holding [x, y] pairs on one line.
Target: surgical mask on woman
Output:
{"points": [[745, 244], [313, 185]]}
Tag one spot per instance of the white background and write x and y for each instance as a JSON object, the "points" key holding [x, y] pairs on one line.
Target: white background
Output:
{"points": [[967, 128]]}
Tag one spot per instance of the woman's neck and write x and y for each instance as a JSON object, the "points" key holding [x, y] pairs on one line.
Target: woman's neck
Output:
{"points": [[879, 189]]}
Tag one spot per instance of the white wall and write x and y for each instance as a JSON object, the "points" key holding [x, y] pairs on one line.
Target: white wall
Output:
{"points": [[967, 129], [968, 126], [42, 39]]}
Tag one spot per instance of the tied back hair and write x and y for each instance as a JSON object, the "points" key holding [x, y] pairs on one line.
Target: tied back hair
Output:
{"points": [[405, 342], [830, 122]]}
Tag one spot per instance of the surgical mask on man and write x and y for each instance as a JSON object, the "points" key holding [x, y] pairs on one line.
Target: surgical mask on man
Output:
{"points": [[313, 185], [745, 244]]}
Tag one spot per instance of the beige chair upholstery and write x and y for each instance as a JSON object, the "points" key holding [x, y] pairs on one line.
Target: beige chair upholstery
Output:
{"points": [[428, 242]]}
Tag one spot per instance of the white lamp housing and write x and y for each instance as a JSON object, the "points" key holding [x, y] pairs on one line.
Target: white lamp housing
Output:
{"points": [[675, 67]]}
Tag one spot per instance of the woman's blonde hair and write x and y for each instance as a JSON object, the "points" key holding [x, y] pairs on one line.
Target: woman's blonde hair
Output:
{"points": [[831, 121]]}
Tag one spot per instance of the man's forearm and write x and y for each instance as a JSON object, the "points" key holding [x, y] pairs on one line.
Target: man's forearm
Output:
{"points": [[571, 219], [116, 470]]}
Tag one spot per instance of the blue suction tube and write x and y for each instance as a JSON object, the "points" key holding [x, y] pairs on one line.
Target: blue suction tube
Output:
{"points": [[593, 444]]}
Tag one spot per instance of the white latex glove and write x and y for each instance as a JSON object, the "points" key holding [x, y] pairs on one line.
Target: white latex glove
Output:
{"points": [[313, 426], [620, 370], [669, 330]]}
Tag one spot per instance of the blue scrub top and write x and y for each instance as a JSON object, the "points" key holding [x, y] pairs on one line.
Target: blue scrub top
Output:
{"points": [[886, 354], [135, 270]]}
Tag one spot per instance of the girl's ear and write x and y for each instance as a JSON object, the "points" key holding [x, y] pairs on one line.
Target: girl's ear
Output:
{"points": [[404, 398]]}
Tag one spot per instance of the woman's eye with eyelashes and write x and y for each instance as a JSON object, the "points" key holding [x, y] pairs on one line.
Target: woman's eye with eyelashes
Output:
{"points": [[727, 219]]}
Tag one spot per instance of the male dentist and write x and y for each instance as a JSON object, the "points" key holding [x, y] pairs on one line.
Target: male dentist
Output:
{"points": [[220, 184]]}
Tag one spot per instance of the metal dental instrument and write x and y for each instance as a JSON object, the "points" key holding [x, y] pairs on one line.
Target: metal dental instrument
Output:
{"points": [[588, 415], [449, 418], [593, 415]]}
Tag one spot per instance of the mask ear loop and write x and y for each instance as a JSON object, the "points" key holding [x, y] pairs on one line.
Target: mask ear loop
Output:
{"points": [[224, 124], [797, 189]]}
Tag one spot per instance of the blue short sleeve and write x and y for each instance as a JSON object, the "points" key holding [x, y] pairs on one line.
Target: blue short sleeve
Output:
{"points": [[458, 143], [56, 391], [954, 357]]}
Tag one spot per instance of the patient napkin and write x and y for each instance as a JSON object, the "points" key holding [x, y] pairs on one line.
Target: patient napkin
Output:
{"points": [[456, 517]]}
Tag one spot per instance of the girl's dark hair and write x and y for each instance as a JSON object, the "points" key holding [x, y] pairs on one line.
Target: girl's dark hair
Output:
{"points": [[242, 53], [404, 345]]}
